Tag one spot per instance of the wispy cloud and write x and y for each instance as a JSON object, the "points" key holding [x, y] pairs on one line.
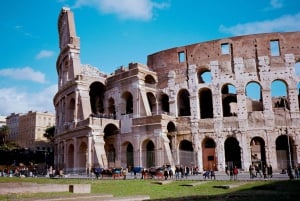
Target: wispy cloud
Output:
{"points": [[283, 23], [125, 9], [276, 4], [44, 54], [21, 101], [25, 73], [20, 29]]}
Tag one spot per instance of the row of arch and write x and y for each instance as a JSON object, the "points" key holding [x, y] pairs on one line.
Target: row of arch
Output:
{"points": [[185, 153], [229, 100]]}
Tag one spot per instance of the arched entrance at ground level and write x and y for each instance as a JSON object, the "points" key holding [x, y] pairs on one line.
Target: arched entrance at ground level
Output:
{"points": [[129, 155], [110, 134], [284, 151], [70, 157], [149, 154], [186, 153], [82, 154], [127, 159], [232, 153], [209, 154], [258, 153]]}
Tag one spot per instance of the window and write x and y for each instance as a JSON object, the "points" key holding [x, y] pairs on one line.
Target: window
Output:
{"points": [[181, 57], [274, 48], [225, 48]]}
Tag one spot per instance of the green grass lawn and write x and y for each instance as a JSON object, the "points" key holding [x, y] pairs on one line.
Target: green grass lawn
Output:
{"points": [[254, 190]]}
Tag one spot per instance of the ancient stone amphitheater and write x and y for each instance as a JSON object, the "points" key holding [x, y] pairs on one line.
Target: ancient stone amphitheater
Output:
{"points": [[231, 101]]}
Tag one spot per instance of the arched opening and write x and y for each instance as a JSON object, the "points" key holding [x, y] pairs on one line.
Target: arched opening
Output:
{"points": [[110, 154], [70, 159], [186, 153], [232, 153], [110, 135], [164, 99], [82, 154], [112, 108], [149, 79], [229, 100], [183, 103], [254, 97], [284, 151], [209, 154], [152, 102], [150, 154], [258, 153], [128, 102], [71, 108], [129, 155], [204, 76], [206, 103], [97, 91], [279, 95]]}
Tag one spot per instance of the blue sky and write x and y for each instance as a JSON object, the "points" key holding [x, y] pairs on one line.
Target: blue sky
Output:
{"points": [[115, 33]]}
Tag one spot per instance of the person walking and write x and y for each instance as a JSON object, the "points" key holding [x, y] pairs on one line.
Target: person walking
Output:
{"points": [[235, 173]]}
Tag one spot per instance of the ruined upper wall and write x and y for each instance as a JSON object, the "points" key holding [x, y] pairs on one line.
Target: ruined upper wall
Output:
{"points": [[248, 47]]}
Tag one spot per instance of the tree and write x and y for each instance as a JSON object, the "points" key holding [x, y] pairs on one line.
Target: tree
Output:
{"points": [[49, 133], [4, 131]]}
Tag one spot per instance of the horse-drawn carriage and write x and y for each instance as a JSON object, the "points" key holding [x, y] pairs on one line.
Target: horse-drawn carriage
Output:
{"points": [[109, 172]]}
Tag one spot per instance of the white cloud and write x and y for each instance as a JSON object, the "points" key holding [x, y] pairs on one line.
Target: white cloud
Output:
{"points": [[44, 54], [276, 3], [25, 73], [15, 100], [125, 9], [283, 23]]}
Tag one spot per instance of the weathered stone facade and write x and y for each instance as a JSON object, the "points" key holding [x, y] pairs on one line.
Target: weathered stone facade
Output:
{"points": [[188, 106]]}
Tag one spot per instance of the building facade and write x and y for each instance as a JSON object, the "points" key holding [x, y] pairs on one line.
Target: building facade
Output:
{"points": [[208, 105], [27, 130]]}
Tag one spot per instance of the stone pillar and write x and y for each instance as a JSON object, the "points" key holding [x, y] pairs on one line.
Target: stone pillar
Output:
{"points": [[75, 165], [220, 153], [65, 154], [89, 153], [99, 150], [137, 153]]}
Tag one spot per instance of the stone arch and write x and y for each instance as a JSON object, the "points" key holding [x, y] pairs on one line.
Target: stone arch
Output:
{"points": [[186, 153], [82, 155], [71, 110], [258, 152], [279, 91], [110, 132], [97, 90], [70, 159], [232, 152], [254, 97], [204, 76], [127, 154], [112, 107], [206, 103], [284, 151], [171, 133], [183, 103], [209, 158], [148, 148], [149, 79], [229, 100], [164, 101], [152, 102], [128, 99]]}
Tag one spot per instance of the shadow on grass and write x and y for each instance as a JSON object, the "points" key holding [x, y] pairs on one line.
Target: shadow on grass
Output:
{"points": [[276, 191]]}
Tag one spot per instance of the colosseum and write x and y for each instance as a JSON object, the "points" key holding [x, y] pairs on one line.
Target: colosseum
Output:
{"points": [[207, 105]]}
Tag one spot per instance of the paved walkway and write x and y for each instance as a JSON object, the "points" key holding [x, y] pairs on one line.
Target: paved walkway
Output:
{"points": [[242, 176]]}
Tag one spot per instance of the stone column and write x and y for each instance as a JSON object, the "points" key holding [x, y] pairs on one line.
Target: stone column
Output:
{"points": [[75, 155]]}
